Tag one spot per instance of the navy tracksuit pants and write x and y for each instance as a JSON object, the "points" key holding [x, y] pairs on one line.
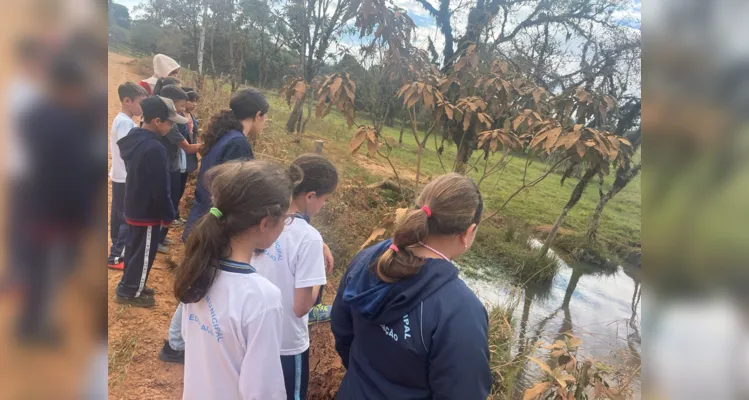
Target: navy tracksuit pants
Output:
{"points": [[140, 251]]}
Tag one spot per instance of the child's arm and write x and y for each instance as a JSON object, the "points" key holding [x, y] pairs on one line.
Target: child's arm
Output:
{"points": [[329, 260], [304, 300], [309, 274], [189, 148], [341, 324]]}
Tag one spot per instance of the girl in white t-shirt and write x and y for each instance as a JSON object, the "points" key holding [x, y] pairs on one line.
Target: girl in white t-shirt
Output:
{"points": [[232, 316], [295, 263]]}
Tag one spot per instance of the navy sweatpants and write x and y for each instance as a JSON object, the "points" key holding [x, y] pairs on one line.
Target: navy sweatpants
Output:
{"points": [[117, 226], [140, 251], [296, 375], [175, 179]]}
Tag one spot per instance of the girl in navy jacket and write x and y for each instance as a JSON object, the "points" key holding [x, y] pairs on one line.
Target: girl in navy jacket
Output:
{"points": [[405, 325]]}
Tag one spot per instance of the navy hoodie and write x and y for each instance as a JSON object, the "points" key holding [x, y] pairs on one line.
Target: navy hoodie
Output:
{"points": [[425, 337], [147, 187]]}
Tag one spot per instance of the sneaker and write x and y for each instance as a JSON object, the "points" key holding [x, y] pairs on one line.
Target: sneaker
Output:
{"points": [[163, 249], [118, 266], [319, 313], [148, 291], [168, 354], [140, 301], [167, 241]]}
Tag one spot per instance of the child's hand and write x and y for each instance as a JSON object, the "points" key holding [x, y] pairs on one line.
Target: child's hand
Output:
{"points": [[329, 261]]}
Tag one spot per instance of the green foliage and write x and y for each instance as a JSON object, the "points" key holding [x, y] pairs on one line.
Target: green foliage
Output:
{"points": [[145, 36], [118, 15], [118, 34]]}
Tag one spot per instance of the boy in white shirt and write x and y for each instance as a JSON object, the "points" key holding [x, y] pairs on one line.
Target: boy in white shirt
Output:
{"points": [[296, 265], [130, 97]]}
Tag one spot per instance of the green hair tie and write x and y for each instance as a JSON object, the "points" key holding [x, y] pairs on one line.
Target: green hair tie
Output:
{"points": [[215, 211]]}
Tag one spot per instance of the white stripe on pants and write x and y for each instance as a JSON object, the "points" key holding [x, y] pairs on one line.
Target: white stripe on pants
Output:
{"points": [[144, 274]]}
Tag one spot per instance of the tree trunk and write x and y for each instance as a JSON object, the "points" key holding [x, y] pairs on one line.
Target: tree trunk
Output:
{"points": [[462, 156], [593, 229], [622, 180], [577, 192], [418, 147], [403, 125], [292, 125], [201, 45]]}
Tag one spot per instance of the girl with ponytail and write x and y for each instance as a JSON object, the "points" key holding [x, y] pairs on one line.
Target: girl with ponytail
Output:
{"points": [[224, 140], [404, 324], [232, 316]]}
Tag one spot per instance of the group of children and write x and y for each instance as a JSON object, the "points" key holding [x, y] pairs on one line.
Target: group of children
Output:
{"points": [[250, 282]]}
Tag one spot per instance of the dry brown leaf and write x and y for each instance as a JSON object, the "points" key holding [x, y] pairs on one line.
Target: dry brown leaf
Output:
{"points": [[518, 120], [552, 138], [357, 140], [580, 149], [466, 120], [536, 391], [335, 86], [543, 365], [375, 234], [537, 95]]}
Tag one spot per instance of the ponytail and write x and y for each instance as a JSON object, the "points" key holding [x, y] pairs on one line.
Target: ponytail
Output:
{"points": [[245, 193], [219, 125], [397, 265], [448, 205], [206, 245]]}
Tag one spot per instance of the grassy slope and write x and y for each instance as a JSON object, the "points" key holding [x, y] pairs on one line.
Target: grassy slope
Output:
{"points": [[620, 221]]}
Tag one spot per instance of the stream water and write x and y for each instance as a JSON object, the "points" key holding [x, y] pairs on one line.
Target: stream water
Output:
{"points": [[602, 307]]}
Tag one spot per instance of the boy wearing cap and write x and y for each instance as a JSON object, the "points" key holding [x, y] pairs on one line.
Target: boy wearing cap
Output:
{"points": [[148, 202]]}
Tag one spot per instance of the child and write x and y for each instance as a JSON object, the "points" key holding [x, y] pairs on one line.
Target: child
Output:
{"points": [[233, 316], [175, 141], [295, 264], [191, 160], [404, 324], [224, 141], [163, 66], [148, 201], [130, 97]]}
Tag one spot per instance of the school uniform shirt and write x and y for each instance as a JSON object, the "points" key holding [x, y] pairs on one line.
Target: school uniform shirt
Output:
{"points": [[121, 126], [294, 261], [232, 338], [423, 337], [148, 200]]}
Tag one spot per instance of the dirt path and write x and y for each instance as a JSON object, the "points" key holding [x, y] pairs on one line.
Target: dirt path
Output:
{"points": [[136, 335]]}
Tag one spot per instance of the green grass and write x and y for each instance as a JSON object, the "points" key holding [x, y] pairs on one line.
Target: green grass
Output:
{"points": [[540, 205]]}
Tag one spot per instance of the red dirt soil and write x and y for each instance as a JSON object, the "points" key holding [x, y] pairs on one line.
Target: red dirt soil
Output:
{"points": [[140, 374]]}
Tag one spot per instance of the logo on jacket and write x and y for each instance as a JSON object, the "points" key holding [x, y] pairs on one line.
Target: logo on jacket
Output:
{"points": [[275, 252]]}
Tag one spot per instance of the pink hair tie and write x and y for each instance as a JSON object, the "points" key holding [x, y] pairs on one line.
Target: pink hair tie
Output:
{"points": [[394, 248], [427, 210]]}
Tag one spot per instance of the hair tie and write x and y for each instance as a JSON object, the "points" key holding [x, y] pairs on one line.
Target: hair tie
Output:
{"points": [[427, 210], [215, 211], [394, 248]]}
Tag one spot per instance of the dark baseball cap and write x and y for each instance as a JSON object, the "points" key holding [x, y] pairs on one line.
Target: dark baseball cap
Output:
{"points": [[162, 108]]}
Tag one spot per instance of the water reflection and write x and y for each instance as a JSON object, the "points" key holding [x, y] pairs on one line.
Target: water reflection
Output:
{"points": [[601, 306]]}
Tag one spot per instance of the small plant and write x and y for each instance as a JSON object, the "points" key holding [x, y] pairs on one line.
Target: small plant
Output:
{"points": [[572, 379]]}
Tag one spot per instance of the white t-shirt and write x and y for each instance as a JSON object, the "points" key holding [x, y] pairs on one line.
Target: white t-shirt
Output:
{"points": [[232, 339], [294, 261], [121, 126]]}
